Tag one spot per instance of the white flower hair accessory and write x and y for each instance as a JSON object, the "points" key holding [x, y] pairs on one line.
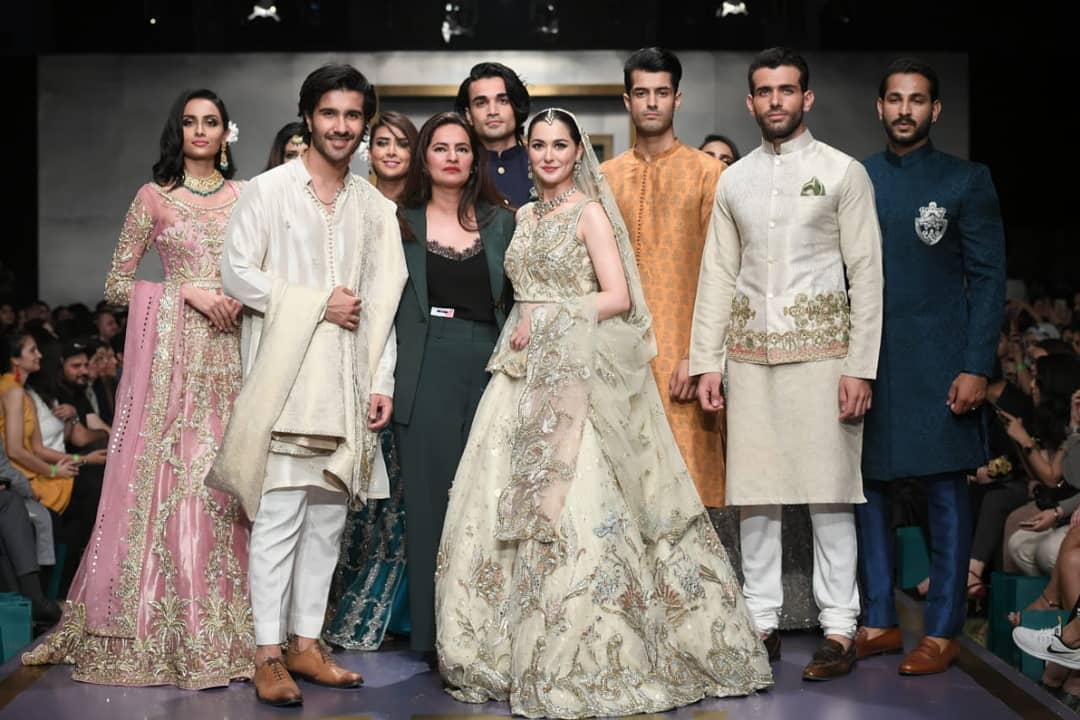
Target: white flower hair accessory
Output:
{"points": [[234, 133]]}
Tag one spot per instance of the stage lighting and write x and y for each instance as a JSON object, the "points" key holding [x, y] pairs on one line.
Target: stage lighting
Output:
{"points": [[459, 19]]}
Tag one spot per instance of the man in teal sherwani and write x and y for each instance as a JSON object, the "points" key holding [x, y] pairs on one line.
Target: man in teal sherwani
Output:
{"points": [[944, 262]]}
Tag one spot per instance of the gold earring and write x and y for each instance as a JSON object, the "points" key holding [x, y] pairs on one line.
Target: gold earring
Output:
{"points": [[224, 156]]}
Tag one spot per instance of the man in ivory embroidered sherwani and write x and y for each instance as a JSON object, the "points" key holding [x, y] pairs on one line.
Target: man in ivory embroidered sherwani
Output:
{"points": [[315, 255], [789, 299]]}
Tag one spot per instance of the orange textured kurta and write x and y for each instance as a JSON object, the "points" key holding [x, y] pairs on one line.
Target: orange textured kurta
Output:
{"points": [[666, 204]]}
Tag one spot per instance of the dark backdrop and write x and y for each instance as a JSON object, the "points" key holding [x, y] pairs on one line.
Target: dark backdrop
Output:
{"points": [[1020, 74]]}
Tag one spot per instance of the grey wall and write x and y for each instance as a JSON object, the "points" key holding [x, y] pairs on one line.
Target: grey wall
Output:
{"points": [[100, 117]]}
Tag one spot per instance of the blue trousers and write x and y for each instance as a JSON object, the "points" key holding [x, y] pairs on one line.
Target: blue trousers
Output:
{"points": [[950, 550]]}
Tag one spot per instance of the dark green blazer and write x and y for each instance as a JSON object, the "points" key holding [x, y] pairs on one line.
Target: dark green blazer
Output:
{"points": [[414, 310]]}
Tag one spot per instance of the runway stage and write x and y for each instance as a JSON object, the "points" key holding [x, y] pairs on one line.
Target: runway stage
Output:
{"points": [[400, 686]]}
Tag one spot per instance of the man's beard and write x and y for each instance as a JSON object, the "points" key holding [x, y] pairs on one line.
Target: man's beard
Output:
{"points": [[322, 145], [777, 132], [922, 131]]}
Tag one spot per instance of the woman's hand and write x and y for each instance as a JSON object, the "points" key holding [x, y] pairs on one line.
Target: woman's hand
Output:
{"points": [[522, 331], [66, 412], [67, 467], [221, 310], [1014, 426], [1045, 520], [96, 457]]}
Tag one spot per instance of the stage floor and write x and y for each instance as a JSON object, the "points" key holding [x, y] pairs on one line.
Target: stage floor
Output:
{"points": [[400, 686]]}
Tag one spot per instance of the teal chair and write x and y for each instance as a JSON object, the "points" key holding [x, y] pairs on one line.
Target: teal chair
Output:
{"points": [[16, 625], [1009, 592], [912, 558]]}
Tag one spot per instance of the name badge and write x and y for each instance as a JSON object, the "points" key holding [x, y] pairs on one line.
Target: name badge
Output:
{"points": [[442, 312]]}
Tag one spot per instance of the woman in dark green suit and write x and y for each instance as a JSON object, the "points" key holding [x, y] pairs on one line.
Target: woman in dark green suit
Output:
{"points": [[452, 309]]}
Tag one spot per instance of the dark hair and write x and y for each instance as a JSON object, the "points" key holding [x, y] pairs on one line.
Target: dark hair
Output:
{"points": [[46, 382], [13, 347], [336, 77], [284, 135], [168, 171], [906, 66], [515, 91], [1058, 377], [563, 117], [401, 123], [478, 188], [716, 137], [653, 60], [1054, 346], [773, 58]]}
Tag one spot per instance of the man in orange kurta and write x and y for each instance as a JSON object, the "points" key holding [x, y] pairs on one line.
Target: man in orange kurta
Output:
{"points": [[665, 191]]}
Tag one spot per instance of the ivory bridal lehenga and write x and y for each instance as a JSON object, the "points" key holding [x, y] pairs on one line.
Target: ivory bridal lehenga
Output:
{"points": [[578, 572]]}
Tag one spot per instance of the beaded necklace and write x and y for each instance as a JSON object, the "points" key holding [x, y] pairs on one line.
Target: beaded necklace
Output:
{"points": [[204, 185], [543, 207]]}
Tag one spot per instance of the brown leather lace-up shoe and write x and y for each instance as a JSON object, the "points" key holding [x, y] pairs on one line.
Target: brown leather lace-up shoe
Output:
{"points": [[318, 666], [890, 642], [928, 658], [830, 661], [274, 685]]}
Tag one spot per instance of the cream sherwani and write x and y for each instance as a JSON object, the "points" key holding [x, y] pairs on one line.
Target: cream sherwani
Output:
{"points": [[789, 299], [298, 446], [788, 231]]}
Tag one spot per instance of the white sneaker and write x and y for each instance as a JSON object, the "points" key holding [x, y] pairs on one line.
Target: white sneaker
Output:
{"points": [[1046, 644]]}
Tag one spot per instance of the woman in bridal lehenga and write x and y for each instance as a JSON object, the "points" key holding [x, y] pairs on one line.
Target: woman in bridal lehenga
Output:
{"points": [[578, 573]]}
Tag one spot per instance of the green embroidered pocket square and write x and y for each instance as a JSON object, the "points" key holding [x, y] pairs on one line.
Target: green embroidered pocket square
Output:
{"points": [[813, 186]]}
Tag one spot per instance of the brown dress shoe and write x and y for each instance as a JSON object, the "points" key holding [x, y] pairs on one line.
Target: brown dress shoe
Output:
{"points": [[772, 645], [928, 658], [318, 666], [274, 685], [890, 642], [830, 661]]}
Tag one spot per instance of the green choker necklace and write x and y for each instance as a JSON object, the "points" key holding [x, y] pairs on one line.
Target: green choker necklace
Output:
{"points": [[204, 185]]}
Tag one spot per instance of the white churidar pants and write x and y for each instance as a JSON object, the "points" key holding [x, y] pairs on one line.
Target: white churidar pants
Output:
{"points": [[295, 541], [835, 584]]}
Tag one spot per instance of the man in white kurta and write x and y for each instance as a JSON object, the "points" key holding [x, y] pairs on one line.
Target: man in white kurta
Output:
{"points": [[307, 239], [788, 317]]}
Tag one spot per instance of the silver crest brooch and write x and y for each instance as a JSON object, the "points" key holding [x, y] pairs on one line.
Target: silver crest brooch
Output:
{"points": [[931, 224]]}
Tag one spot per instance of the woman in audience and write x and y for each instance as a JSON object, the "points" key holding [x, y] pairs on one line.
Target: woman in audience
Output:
{"points": [[1031, 542], [51, 472]]}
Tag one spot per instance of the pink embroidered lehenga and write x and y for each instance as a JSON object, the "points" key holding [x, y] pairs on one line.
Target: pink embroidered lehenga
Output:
{"points": [[161, 595]]}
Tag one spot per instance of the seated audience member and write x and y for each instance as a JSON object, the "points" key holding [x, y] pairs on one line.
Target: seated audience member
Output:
{"points": [[51, 473], [102, 379], [106, 324], [19, 570], [998, 487], [8, 319]]}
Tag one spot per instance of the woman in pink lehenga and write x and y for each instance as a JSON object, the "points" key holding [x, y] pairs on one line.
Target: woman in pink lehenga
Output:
{"points": [[161, 595]]}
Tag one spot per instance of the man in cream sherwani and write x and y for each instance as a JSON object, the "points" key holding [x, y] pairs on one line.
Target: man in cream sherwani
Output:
{"points": [[789, 304], [315, 255]]}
